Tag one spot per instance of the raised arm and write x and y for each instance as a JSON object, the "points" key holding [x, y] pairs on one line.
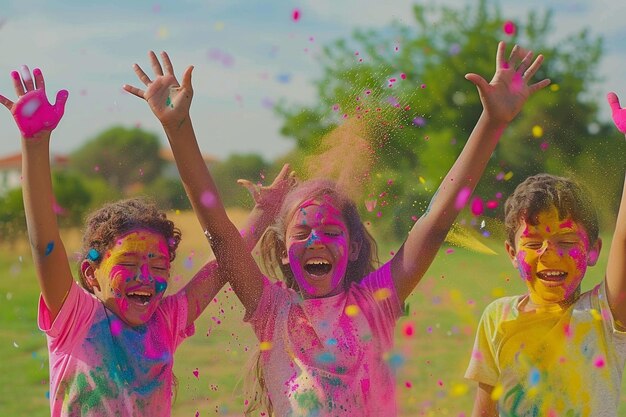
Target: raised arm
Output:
{"points": [[502, 99], [616, 266], [36, 118], [170, 102]]}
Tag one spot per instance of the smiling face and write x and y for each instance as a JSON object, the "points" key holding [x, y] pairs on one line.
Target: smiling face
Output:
{"points": [[318, 248], [133, 275], [552, 257]]}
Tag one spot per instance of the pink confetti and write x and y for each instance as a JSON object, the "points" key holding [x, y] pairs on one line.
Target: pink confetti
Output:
{"points": [[408, 384], [295, 15], [409, 329], [509, 28], [449, 251], [477, 206], [403, 76], [618, 113], [599, 362], [440, 383], [462, 198], [492, 204], [196, 372]]}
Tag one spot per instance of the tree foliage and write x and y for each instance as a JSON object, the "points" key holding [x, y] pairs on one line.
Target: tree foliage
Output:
{"points": [[406, 84], [120, 155]]}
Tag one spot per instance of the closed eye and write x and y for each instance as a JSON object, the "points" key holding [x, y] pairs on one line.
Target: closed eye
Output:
{"points": [[533, 245]]}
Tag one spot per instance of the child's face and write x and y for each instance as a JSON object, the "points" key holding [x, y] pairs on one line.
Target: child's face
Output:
{"points": [[133, 275], [318, 248], [552, 257]]}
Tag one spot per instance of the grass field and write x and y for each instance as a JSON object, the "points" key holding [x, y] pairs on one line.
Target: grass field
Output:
{"points": [[443, 314]]}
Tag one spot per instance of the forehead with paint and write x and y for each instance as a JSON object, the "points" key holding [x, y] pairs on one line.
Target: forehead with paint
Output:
{"points": [[142, 244], [326, 213], [540, 193]]}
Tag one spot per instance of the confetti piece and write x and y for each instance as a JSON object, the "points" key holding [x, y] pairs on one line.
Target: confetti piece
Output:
{"points": [[477, 206], [462, 198], [370, 205], [459, 389], [295, 15], [497, 392], [196, 372], [15, 345], [599, 362], [265, 346], [382, 294], [408, 384], [93, 255], [352, 310], [325, 357], [408, 329], [554, 88], [508, 176], [509, 28], [537, 131]]}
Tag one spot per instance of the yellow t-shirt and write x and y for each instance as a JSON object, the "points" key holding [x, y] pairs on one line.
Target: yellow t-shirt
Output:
{"points": [[551, 363]]}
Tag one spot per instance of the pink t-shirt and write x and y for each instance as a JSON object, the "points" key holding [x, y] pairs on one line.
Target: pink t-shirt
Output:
{"points": [[100, 366], [326, 356]]}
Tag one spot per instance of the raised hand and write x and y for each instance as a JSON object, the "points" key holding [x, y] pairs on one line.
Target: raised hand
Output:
{"points": [[168, 100], [618, 113], [273, 195], [504, 96], [32, 111]]}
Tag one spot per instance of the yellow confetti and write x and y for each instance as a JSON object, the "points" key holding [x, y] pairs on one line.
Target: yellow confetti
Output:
{"points": [[555, 87], [421, 179], [177, 211], [497, 392], [497, 292], [537, 131], [381, 294], [466, 238], [459, 390], [352, 310], [595, 314], [265, 346], [508, 175], [163, 33]]}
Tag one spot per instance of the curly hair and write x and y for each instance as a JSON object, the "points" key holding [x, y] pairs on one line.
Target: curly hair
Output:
{"points": [[105, 225], [538, 193]]}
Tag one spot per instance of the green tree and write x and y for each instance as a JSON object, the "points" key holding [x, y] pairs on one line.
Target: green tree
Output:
{"points": [[406, 85], [226, 173], [120, 155]]}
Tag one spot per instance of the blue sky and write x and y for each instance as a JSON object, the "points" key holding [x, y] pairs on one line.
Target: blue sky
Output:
{"points": [[247, 55]]}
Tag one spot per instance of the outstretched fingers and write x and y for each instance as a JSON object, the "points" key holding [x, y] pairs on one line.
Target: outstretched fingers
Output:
{"points": [[167, 63], [27, 78], [17, 83], [539, 85], [39, 81], [154, 62], [501, 62], [6, 102], [530, 72], [134, 90], [143, 77], [613, 101]]}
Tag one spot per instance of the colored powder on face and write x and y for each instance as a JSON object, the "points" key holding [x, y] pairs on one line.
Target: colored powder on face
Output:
{"points": [[160, 286], [534, 377], [49, 248], [308, 401], [326, 357]]}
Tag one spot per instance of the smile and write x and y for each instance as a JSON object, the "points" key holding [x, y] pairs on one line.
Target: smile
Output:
{"points": [[317, 267], [552, 276], [140, 297]]}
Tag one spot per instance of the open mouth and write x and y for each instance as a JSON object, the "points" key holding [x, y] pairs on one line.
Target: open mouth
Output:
{"points": [[317, 267], [552, 276], [139, 297]]}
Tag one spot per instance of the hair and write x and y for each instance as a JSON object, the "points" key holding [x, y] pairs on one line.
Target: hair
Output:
{"points": [[538, 193], [107, 224], [273, 249]]}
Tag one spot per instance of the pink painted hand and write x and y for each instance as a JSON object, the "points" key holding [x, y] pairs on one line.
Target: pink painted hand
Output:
{"points": [[32, 112], [619, 114]]}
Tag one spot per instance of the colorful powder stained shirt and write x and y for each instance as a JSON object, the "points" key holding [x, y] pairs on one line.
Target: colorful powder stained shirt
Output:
{"points": [[325, 357], [100, 366], [560, 363]]}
